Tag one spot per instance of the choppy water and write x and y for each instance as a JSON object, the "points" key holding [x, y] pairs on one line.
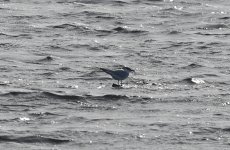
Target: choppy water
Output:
{"points": [[53, 96]]}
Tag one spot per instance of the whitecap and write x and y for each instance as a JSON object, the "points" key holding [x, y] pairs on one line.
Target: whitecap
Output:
{"points": [[197, 80]]}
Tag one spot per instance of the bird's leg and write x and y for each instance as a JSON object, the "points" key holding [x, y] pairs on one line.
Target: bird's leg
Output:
{"points": [[118, 82], [121, 82]]}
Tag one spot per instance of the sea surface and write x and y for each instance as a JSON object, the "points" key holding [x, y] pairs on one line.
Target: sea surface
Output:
{"points": [[53, 96]]}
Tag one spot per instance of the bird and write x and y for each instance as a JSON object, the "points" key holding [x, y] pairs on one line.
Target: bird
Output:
{"points": [[120, 74]]}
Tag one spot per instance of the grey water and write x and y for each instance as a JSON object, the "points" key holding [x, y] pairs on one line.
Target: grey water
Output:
{"points": [[54, 96]]}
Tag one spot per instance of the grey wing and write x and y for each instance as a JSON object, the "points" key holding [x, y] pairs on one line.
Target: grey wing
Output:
{"points": [[117, 75], [120, 75]]}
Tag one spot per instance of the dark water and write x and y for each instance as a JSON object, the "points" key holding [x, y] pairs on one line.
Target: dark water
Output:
{"points": [[53, 96]]}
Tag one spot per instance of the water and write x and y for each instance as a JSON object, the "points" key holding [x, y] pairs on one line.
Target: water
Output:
{"points": [[54, 96]]}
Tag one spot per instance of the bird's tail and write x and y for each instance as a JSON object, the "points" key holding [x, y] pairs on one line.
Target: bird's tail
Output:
{"points": [[107, 71]]}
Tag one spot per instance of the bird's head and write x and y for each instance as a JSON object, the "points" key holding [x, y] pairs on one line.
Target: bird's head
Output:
{"points": [[128, 69]]}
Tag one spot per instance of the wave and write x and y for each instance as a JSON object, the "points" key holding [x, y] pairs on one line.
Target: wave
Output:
{"points": [[212, 130], [64, 69], [32, 139], [174, 32], [29, 17], [213, 26], [7, 45], [214, 43], [213, 34], [73, 27], [92, 101], [128, 30], [119, 3], [101, 32], [147, 2], [113, 2], [55, 47], [46, 59], [40, 94], [69, 26], [16, 93], [224, 18], [100, 15], [5, 35], [4, 83], [42, 114], [106, 17], [80, 1], [192, 80], [109, 97], [26, 36], [93, 46], [192, 66], [62, 96]]}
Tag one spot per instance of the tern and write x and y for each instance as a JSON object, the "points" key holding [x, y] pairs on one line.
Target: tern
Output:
{"points": [[120, 74]]}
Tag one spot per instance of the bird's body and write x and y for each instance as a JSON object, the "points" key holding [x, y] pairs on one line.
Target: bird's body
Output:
{"points": [[118, 75]]}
